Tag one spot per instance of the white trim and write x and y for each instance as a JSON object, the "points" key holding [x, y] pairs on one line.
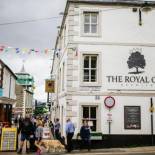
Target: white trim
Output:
{"points": [[98, 113]]}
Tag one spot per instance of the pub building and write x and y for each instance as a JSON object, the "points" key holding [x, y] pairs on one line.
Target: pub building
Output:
{"points": [[7, 93], [104, 70]]}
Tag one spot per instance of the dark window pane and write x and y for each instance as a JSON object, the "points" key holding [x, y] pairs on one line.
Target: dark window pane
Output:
{"points": [[93, 28], [85, 112], [93, 61], [87, 18], [94, 18], [93, 128], [86, 62], [86, 75], [86, 28], [93, 112], [93, 75]]}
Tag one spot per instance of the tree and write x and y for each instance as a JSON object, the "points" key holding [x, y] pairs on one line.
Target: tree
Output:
{"points": [[40, 110], [136, 60]]}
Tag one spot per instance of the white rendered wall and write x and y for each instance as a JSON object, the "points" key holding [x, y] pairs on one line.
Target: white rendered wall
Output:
{"points": [[7, 85]]}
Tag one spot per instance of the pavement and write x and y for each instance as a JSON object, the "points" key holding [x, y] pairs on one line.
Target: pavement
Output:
{"points": [[150, 150]]}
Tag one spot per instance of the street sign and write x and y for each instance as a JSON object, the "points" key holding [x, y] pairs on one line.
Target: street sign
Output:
{"points": [[109, 119], [109, 102], [50, 86]]}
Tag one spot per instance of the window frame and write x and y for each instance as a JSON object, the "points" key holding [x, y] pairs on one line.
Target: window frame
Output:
{"points": [[98, 33], [90, 119], [90, 68], [98, 70]]}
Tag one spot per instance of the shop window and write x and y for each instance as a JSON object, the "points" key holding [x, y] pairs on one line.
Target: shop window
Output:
{"points": [[132, 117], [90, 115]]}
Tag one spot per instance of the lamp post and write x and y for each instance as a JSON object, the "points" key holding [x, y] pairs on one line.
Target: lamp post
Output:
{"points": [[151, 110]]}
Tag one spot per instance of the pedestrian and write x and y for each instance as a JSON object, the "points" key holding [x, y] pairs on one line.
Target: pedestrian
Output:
{"points": [[70, 129], [39, 136], [57, 129], [51, 125], [16, 121], [26, 129], [85, 135]]}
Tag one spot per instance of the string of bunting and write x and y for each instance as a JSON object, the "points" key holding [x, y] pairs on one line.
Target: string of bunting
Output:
{"points": [[4, 48]]}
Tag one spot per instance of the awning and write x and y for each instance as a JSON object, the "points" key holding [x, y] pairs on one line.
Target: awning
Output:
{"points": [[6, 100]]}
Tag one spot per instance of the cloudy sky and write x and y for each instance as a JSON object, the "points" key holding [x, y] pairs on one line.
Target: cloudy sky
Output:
{"points": [[40, 34]]}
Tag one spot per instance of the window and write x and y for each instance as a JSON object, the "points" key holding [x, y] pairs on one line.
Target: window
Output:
{"points": [[63, 76], [90, 22], [89, 114], [90, 68], [59, 80]]}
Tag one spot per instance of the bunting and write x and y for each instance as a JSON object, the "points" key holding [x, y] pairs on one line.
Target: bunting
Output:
{"points": [[17, 50]]}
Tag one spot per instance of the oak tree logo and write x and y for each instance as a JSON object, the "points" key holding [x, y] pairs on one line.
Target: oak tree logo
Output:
{"points": [[137, 61]]}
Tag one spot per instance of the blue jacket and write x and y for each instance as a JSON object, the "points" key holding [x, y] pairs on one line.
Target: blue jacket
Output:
{"points": [[85, 132]]}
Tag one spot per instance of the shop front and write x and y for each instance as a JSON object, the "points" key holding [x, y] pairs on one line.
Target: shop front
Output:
{"points": [[6, 111]]}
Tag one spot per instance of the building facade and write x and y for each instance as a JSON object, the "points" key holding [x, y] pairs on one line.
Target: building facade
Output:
{"points": [[24, 92], [7, 93], [104, 68]]}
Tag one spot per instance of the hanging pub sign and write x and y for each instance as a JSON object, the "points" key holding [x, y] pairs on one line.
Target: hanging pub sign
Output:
{"points": [[109, 102], [49, 86], [8, 139]]}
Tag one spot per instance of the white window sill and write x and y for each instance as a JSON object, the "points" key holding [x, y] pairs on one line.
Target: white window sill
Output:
{"points": [[90, 84], [90, 35]]}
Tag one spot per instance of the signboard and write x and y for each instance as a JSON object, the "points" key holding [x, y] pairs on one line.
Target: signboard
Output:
{"points": [[132, 117], [8, 139], [50, 86], [46, 133], [109, 119], [133, 69]]}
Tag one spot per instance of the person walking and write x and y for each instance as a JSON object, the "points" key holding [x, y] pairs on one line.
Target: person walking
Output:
{"points": [[51, 125], [57, 129], [39, 136], [85, 135], [70, 129], [26, 129]]}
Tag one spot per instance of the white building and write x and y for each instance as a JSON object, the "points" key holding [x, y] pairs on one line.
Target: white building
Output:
{"points": [[106, 48], [7, 92]]}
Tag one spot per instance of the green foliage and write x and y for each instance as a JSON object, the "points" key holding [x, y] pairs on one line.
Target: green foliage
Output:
{"points": [[40, 110]]}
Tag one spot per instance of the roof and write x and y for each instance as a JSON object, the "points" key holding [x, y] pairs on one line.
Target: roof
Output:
{"points": [[4, 65], [128, 2]]}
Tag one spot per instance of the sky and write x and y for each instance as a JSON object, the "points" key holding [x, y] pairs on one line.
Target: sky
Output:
{"points": [[40, 35]]}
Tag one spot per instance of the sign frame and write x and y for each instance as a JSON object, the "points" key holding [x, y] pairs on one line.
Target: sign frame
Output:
{"points": [[106, 104], [8, 140]]}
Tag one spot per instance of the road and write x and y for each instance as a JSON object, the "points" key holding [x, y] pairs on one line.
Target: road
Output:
{"points": [[93, 153]]}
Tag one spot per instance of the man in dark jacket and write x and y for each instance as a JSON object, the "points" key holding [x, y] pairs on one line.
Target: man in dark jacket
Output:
{"points": [[85, 135], [26, 129]]}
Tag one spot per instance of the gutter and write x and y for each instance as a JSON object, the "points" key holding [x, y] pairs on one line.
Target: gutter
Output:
{"points": [[59, 32]]}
